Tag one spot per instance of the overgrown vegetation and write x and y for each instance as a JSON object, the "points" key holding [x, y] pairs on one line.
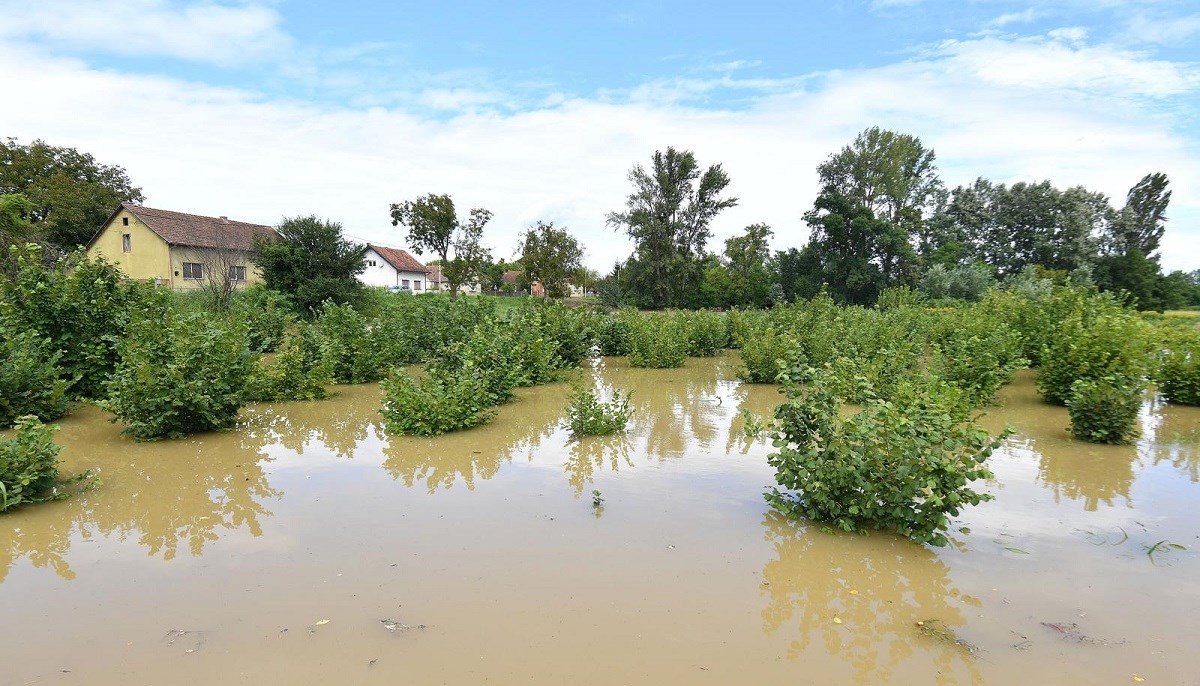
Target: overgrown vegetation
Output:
{"points": [[28, 464], [1105, 409], [1179, 372], [588, 415], [30, 380], [659, 341]]}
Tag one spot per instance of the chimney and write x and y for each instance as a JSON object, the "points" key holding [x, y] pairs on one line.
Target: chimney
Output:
{"points": [[224, 218]]}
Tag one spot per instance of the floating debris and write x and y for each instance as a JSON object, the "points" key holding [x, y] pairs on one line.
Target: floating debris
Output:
{"points": [[398, 628], [935, 628], [1070, 632]]}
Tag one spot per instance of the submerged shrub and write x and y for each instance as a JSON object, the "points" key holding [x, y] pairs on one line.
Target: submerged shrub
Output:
{"points": [[266, 314], [976, 353], [1105, 410], [350, 344], [178, 375], [433, 404], [300, 372], [613, 331], [1179, 372], [903, 465], [765, 352], [28, 464], [1093, 346], [658, 341], [708, 333], [30, 380], [587, 415]]}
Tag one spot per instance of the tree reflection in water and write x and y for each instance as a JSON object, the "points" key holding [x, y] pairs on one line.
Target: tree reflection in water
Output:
{"points": [[166, 496], [592, 454], [879, 587]]}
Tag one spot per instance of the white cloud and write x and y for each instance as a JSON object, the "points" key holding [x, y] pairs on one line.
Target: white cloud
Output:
{"points": [[203, 32], [1163, 30], [1004, 109], [1023, 17]]}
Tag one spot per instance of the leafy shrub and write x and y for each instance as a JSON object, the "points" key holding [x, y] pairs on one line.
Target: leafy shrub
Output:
{"points": [[968, 282], [566, 332], [28, 464], [975, 352], [300, 372], [179, 374], [1105, 410], [587, 415], [351, 346], [82, 306], [613, 331], [489, 357], [1179, 372], [708, 333], [433, 404], [903, 465], [765, 352], [266, 313], [659, 341], [1092, 346], [30, 379]]}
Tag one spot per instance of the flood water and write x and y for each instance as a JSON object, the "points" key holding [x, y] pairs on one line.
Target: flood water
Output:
{"points": [[309, 548]]}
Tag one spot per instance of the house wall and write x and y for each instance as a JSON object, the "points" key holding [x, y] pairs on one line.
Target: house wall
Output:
{"points": [[148, 257], [181, 254], [383, 274]]}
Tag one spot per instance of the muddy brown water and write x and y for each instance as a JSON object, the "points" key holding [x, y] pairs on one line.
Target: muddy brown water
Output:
{"points": [[309, 548]]}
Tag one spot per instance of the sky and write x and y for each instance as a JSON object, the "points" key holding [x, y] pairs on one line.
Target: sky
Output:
{"points": [[265, 109]]}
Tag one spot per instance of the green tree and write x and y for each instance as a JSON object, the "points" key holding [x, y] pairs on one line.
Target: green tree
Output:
{"points": [[433, 225], [1141, 223], [747, 256], [552, 256], [70, 193], [668, 216], [311, 262]]}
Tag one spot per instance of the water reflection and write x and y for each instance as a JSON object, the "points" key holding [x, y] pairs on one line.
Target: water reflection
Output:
{"points": [[295, 426], [1175, 440], [860, 599], [1091, 473], [167, 496], [676, 409], [593, 454]]}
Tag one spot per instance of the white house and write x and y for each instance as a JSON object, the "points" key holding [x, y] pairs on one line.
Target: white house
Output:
{"points": [[391, 267]]}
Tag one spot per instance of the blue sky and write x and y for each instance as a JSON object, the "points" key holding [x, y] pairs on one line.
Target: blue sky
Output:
{"points": [[258, 110]]}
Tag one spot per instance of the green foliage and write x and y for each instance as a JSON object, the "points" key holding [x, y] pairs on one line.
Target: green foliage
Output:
{"points": [[266, 313], [433, 225], [312, 263], [613, 331], [567, 332], [30, 379], [81, 306], [708, 333], [587, 415], [1092, 343], [659, 341], [1105, 410], [300, 372], [552, 256], [28, 464], [69, 193], [352, 348], [967, 282], [1179, 372], [667, 216], [765, 351], [903, 465], [178, 375], [490, 356], [975, 352], [749, 277], [433, 404]]}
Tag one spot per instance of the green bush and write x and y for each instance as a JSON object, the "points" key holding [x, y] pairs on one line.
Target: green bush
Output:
{"points": [[1105, 410], [28, 464], [352, 347], [489, 357], [975, 352], [566, 332], [82, 306], [659, 341], [266, 313], [613, 331], [179, 374], [587, 415], [903, 465], [1091, 345], [300, 372], [30, 380], [1179, 372], [708, 333], [765, 353], [433, 404]]}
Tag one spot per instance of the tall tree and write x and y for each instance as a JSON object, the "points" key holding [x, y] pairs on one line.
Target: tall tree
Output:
{"points": [[668, 216], [552, 256], [433, 225], [1141, 223], [311, 262], [70, 193], [746, 259], [890, 173]]}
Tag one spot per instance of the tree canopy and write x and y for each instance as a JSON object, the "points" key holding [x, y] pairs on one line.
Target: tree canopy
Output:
{"points": [[552, 256], [311, 262], [668, 215], [433, 225], [70, 194]]}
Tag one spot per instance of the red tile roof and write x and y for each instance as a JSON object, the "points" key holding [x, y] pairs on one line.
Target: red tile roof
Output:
{"points": [[193, 230], [400, 259], [435, 274]]}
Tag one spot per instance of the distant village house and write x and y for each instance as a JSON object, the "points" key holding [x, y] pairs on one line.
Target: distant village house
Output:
{"points": [[178, 250], [394, 268]]}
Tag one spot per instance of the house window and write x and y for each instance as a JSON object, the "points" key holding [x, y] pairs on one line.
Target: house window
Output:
{"points": [[371, 263], [404, 283], [193, 270], [125, 221], [417, 285], [237, 273], [126, 242]]}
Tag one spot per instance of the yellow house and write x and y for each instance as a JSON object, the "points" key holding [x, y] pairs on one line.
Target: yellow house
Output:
{"points": [[182, 251]]}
